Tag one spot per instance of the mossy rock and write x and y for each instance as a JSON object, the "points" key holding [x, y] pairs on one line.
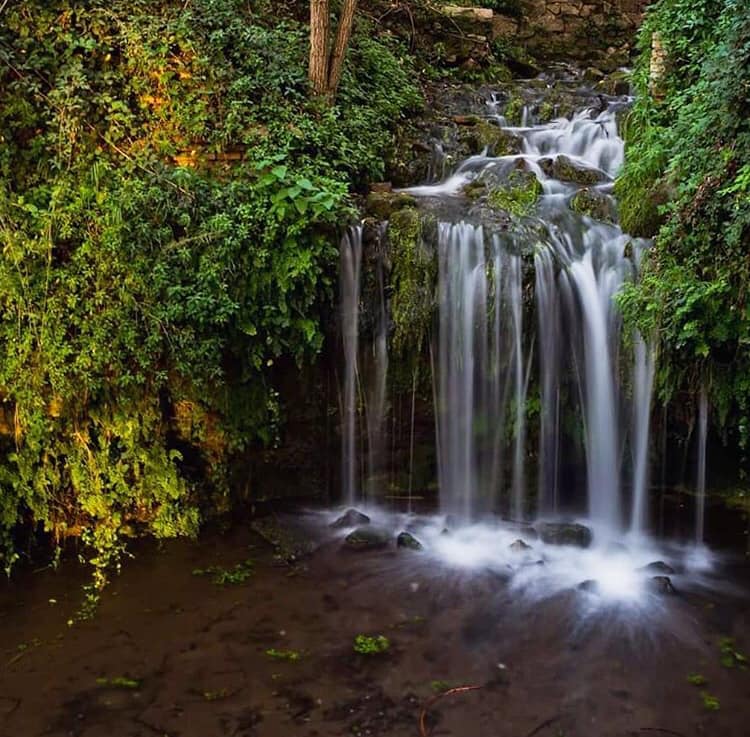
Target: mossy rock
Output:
{"points": [[475, 190], [565, 533], [593, 204], [382, 205], [367, 538], [517, 195], [413, 279], [479, 135], [407, 540], [566, 170]]}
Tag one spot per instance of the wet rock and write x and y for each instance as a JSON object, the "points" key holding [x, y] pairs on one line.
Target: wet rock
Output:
{"points": [[661, 585], [565, 533], [383, 204], [592, 203], [566, 170], [367, 538], [445, 531], [351, 518], [519, 546], [518, 194], [407, 540], [479, 135], [529, 532], [659, 567], [590, 585]]}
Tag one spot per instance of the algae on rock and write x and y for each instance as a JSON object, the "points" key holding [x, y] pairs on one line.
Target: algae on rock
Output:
{"points": [[413, 279]]}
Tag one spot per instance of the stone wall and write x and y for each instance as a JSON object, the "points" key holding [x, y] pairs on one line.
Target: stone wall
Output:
{"points": [[601, 31]]}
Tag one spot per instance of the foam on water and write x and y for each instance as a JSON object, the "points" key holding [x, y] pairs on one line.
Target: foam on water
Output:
{"points": [[612, 570]]}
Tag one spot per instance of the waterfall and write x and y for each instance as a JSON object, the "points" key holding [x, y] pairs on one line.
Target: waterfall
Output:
{"points": [[643, 385], [700, 498], [549, 326], [376, 405], [462, 291], [351, 262], [535, 296]]}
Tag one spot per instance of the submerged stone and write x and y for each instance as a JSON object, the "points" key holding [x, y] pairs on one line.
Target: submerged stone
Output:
{"points": [[351, 518], [661, 585], [565, 533], [367, 538], [407, 540], [590, 585], [660, 567], [519, 546]]}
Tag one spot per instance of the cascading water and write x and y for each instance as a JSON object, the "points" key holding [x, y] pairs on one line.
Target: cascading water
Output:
{"points": [[580, 265], [700, 501], [351, 262], [532, 294]]}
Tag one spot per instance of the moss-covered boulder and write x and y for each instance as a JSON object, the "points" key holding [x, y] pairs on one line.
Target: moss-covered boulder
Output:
{"points": [[565, 533], [566, 170], [382, 205], [592, 203], [413, 278], [351, 518], [367, 538], [407, 540], [518, 194], [476, 135]]}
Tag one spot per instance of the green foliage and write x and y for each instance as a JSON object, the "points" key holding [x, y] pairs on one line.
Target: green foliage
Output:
{"points": [[696, 679], [123, 682], [233, 576], [148, 288], [710, 703], [730, 656], [518, 196], [686, 181], [291, 656], [371, 645]]}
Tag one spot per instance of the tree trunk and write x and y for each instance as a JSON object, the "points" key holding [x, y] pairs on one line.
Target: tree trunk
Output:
{"points": [[318, 72], [346, 21]]}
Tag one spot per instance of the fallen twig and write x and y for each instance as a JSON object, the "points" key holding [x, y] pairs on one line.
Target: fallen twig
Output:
{"points": [[423, 716], [662, 730]]}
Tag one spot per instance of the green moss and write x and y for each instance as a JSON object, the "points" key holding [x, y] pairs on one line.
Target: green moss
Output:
{"points": [[494, 138], [591, 203], [371, 645], [518, 196], [413, 280], [514, 110]]}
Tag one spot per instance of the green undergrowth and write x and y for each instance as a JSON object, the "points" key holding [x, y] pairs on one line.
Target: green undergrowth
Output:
{"points": [[170, 198], [686, 182]]}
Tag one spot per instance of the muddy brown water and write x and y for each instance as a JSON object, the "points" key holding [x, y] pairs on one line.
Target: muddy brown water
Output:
{"points": [[198, 653]]}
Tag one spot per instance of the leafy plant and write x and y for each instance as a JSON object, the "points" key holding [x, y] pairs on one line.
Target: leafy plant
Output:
{"points": [[371, 644], [120, 682], [696, 679], [237, 574], [291, 656], [710, 703], [169, 206], [730, 657]]}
